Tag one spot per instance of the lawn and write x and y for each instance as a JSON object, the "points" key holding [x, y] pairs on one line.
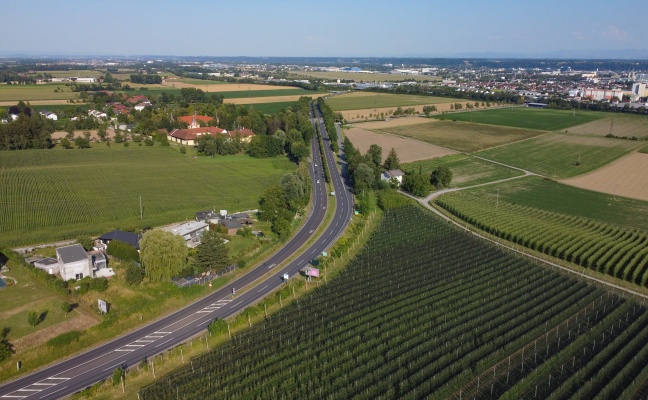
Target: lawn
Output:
{"points": [[556, 197], [558, 155], [528, 118], [466, 170], [36, 92], [462, 136], [59, 194], [366, 100]]}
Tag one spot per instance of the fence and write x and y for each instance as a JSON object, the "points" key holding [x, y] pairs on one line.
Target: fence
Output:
{"points": [[188, 281]]}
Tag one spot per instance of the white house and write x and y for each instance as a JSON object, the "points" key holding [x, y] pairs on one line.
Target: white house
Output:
{"points": [[74, 262], [393, 173], [49, 115], [142, 106], [98, 114], [191, 231]]}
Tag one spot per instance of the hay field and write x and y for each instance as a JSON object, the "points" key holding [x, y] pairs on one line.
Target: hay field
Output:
{"points": [[557, 155], [209, 86], [462, 136], [263, 100], [408, 150], [625, 177], [392, 122], [364, 76], [36, 92], [618, 125], [40, 103]]}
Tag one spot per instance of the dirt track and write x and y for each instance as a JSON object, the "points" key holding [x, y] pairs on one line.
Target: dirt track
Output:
{"points": [[625, 177], [408, 150]]}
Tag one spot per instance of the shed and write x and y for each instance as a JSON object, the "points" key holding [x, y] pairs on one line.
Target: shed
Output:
{"points": [[126, 237], [49, 265], [232, 226]]}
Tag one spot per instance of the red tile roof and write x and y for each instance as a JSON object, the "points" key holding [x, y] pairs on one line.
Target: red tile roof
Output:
{"points": [[243, 132], [194, 133], [188, 119]]}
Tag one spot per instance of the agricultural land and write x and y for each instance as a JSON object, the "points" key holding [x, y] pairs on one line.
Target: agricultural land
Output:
{"points": [[627, 176], [407, 149], [527, 118], [56, 194], [363, 76], [462, 136], [457, 318], [560, 155], [466, 170], [618, 125]]}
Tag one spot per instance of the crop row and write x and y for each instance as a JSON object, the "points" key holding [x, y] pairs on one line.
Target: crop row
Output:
{"points": [[604, 247], [425, 311]]}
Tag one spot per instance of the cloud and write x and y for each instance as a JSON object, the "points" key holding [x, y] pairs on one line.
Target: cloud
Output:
{"points": [[613, 33]]}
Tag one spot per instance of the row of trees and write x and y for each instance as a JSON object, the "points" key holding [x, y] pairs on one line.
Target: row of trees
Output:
{"points": [[146, 79], [420, 184], [280, 203]]}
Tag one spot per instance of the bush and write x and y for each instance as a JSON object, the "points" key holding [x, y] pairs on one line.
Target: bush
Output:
{"points": [[217, 326], [64, 339], [183, 150], [86, 242], [134, 273], [388, 199], [122, 250], [99, 284]]}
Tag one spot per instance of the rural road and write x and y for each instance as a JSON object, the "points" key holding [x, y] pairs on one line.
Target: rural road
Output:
{"points": [[83, 370]]}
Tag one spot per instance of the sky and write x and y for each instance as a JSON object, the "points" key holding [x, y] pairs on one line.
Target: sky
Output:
{"points": [[332, 28]]}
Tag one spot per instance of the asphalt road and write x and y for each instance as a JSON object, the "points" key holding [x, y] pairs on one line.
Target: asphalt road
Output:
{"points": [[83, 370]]}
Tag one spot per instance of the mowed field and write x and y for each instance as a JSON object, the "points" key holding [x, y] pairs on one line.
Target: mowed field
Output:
{"points": [[50, 195], [365, 76], [557, 155], [462, 136], [367, 100], [212, 86], [528, 118], [557, 197], [627, 177], [13, 93], [407, 149], [617, 124], [466, 170]]}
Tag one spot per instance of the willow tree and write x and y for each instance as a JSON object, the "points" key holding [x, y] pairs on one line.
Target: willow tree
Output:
{"points": [[163, 255]]}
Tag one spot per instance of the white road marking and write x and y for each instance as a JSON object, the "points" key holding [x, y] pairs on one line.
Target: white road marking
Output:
{"points": [[262, 289], [125, 350], [163, 333], [17, 397], [51, 393], [237, 304], [166, 341], [49, 384]]}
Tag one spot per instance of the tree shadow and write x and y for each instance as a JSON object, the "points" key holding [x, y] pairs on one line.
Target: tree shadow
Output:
{"points": [[42, 316], [5, 332]]}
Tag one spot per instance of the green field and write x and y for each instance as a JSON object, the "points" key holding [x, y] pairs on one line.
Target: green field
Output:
{"points": [[466, 170], [364, 100], [607, 248], [36, 92], [58, 194], [240, 94], [270, 108], [556, 197], [426, 311], [557, 155], [462, 136], [364, 76], [528, 118]]}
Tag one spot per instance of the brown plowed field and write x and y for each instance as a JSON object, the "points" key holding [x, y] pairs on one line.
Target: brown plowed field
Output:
{"points": [[625, 177], [408, 150], [393, 122]]}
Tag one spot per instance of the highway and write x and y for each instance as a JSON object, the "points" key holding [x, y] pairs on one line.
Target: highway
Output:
{"points": [[76, 373]]}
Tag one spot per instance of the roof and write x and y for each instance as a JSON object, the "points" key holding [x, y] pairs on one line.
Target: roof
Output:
{"points": [[205, 215], [73, 253], [47, 261], [193, 133], [232, 224], [186, 228], [243, 132], [3, 259], [188, 119], [126, 237], [394, 173]]}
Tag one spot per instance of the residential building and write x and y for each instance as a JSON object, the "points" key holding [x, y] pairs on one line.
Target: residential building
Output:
{"points": [[193, 120], [393, 173], [126, 237], [190, 136], [191, 231], [49, 115], [74, 262]]}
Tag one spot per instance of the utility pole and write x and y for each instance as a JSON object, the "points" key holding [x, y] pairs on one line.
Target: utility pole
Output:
{"points": [[497, 201], [141, 213]]}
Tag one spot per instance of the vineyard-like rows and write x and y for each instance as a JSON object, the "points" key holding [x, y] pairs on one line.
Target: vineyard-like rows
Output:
{"points": [[49, 195], [607, 248], [427, 311]]}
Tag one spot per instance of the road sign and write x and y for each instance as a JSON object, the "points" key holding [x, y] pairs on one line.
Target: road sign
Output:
{"points": [[103, 306]]}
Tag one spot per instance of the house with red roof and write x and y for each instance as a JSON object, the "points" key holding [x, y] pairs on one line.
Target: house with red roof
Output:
{"points": [[190, 136]]}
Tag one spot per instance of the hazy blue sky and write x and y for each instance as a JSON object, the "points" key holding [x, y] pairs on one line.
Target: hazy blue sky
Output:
{"points": [[323, 28]]}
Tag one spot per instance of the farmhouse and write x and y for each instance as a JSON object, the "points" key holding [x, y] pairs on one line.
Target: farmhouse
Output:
{"points": [[394, 173], [191, 231], [74, 262], [245, 134]]}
